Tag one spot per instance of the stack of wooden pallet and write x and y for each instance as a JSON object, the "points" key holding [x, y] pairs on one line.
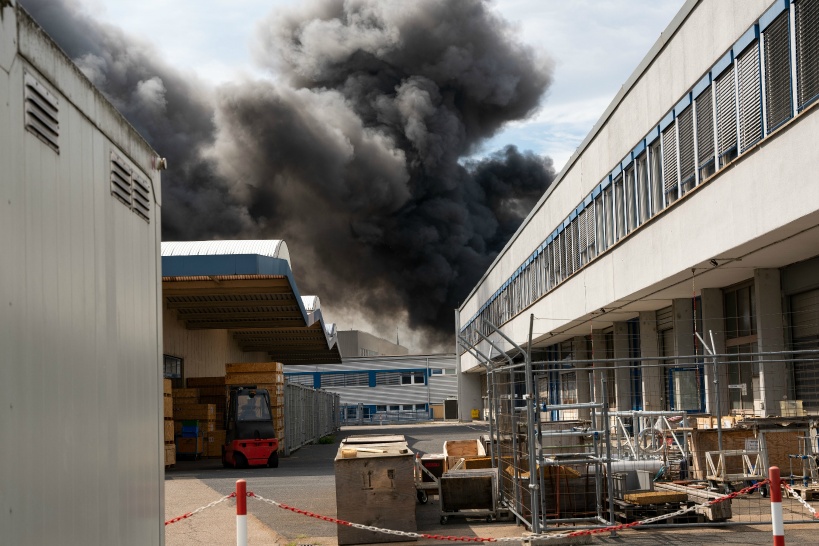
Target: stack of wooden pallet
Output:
{"points": [[170, 447], [187, 409], [262, 375], [212, 391]]}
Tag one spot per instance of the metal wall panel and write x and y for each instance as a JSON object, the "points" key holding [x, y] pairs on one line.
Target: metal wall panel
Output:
{"points": [[80, 374]]}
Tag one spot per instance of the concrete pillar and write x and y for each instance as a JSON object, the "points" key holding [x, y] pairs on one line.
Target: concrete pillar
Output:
{"points": [[773, 376], [583, 372], [598, 354], [622, 371], [713, 322], [651, 373]]}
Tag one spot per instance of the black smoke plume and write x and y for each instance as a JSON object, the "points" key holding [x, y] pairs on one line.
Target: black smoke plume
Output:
{"points": [[356, 155]]}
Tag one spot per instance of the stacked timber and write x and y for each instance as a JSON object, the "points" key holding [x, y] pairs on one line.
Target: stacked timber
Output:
{"points": [[170, 447], [192, 420], [262, 375], [212, 391]]}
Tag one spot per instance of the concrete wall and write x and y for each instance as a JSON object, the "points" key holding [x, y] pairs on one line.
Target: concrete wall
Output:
{"points": [[80, 321]]}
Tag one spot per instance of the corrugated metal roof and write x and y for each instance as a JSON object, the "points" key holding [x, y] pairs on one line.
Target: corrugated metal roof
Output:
{"points": [[311, 303], [274, 248]]}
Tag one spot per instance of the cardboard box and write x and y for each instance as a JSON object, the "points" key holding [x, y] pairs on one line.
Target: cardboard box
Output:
{"points": [[166, 385]]}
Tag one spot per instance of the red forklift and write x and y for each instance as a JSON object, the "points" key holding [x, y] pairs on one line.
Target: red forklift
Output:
{"points": [[250, 437]]}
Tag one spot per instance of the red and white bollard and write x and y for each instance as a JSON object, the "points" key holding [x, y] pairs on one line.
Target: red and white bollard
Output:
{"points": [[776, 507], [241, 513]]}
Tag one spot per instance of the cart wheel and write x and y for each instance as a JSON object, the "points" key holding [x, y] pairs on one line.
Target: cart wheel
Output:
{"points": [[422, 496], [763, 490], [488, 519], [444, 519]]}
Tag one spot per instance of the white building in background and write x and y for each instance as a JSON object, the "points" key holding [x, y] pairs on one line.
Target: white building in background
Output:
{"points": [[693, 200], [80, 306], [376, 385]]}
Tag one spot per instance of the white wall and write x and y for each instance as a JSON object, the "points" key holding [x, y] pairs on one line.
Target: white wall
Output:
{"points": [[80, 376]]}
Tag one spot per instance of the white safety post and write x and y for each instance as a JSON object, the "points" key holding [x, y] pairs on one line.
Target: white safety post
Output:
{"points": [[241, 513], [776, 507]]}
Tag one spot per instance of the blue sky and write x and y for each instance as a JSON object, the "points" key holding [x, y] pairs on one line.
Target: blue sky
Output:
{"points": [[594, 46]]}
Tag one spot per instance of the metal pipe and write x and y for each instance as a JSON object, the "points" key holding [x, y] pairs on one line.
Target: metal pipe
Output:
{"points": [[584, 405], [609, 477], [534, 487]]}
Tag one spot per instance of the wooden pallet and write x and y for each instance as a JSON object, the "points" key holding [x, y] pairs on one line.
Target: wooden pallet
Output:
{"points": [[808, 493], [625, 512]]}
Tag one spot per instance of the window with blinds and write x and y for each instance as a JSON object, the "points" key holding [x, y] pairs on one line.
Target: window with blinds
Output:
{"points": [[619, 210], [608, 212], [630, 205], [705, 132], [750, 97], [557, 249], [685, 127], [807, 51], [599, 223], [643, 188], [583, 236], [778, 108], [669, 137], [574, 229], [655, 177], [726, 116]]}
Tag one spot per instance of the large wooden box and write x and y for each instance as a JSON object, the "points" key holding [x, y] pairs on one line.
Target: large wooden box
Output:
{"points": [[375, 486], [455, 450]]}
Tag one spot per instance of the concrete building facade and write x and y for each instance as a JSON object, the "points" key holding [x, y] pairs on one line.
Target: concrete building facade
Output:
{"points": [[355, 343], [690, 206]]}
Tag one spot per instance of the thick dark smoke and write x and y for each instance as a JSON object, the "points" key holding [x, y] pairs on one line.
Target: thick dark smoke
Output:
{"points": [[356, 155]]}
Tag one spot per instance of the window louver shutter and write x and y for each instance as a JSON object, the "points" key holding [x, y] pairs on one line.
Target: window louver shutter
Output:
{"points": [[656, 182], [619, 211], [642, 188], [141, 200], [571, 247], [120, 180], [631, 212], [807, 51], [599, 217], [670, 161], [608, 211], [777, 72], [705, 126], [726, 114], [685, 122], [583, 234], [750, 97], [41, 113]]}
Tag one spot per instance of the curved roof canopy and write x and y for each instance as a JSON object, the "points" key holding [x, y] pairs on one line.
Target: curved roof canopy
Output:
{"points": [[248, 288]]}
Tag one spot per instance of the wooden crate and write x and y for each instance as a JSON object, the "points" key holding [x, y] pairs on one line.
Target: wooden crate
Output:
{"points": [[214, 441], [190, 446], [198, 382], [477, 463], [185, 393], [167, 410], [454, 450], [170, 455], [201, 412], [375, 486], [169, 430], [166, 386]]}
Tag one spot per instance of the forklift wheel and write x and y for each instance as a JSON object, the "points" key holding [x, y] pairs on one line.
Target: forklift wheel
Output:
{"points": [[422, 496], [273, 460], [240, 461]]}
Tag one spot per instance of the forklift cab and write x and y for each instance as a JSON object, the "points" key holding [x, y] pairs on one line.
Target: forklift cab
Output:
{"points": [[250, 437]]}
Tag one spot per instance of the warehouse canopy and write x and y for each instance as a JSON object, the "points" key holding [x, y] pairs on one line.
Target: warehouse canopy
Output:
{"points": [[247, 288]]}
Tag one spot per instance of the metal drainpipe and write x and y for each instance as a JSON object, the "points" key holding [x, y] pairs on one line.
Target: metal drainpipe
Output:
{"points": [[530, 411]]}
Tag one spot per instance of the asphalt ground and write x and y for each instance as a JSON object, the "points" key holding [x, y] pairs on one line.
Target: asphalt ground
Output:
{"points": [[306, 481]]}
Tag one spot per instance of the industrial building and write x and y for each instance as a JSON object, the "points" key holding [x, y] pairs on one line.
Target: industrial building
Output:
{"points": [[355, 343], [690, 209], [384, 388], [80, 375]]}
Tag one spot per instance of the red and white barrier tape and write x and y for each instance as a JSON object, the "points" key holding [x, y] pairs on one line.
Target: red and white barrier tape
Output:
{"points": [[543, 536]]}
